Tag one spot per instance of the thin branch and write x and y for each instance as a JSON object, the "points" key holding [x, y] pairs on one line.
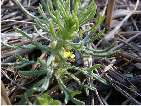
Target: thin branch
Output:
{"points": [[25, 22], [128, 40]]}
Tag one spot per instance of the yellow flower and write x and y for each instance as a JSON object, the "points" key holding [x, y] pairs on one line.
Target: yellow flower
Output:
{"points": [[69, 55]]}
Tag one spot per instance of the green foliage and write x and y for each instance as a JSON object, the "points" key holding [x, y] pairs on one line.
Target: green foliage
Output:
{"points": [[88, 13], [24, 63], [63, 27], [69, 94], [45, 99], [95, 76]]}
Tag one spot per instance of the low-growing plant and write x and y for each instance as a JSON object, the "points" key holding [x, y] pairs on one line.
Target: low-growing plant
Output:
{"points": [[62, 21]]}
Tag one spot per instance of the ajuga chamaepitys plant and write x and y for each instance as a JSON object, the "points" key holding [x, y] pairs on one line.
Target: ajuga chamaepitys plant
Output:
{"points": [[63, 21]]}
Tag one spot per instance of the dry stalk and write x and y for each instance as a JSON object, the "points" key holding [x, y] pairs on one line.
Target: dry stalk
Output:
{"points": [[111, 34], [4, 98], [109, 12]]}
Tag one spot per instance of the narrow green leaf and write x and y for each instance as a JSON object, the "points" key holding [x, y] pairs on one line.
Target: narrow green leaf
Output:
{"points": [[45, 99], [95, 76], [69, 94], [23, 33], [32, 73], [52, 29]]}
